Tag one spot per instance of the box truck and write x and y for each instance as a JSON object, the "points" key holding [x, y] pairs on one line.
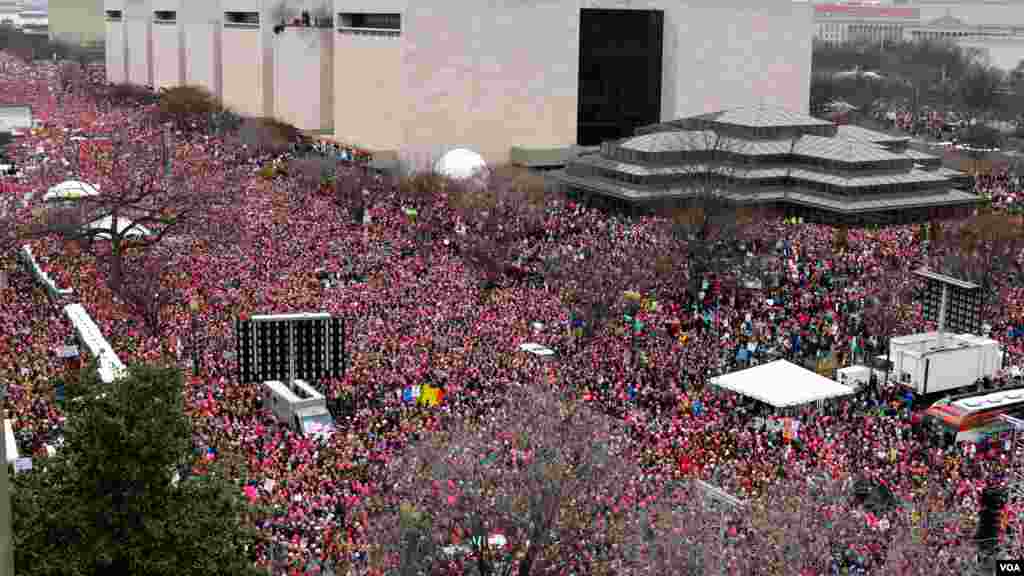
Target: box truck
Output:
{"points": [[929, 365], [299, 407]]}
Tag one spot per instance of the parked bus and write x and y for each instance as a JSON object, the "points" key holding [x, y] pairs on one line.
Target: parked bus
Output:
{"points": [[970, 418]]}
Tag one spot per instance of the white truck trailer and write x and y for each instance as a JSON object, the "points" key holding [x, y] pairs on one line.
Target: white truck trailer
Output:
{"points": [[929, 364]]}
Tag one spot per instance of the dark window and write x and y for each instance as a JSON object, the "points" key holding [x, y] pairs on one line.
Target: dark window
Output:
{"points": [[619, 73], [165, 16], [242, 19], [114, 15], [371, 21]]}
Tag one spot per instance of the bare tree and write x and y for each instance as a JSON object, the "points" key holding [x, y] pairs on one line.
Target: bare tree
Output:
{"points": [[139, 206], [498, 211], [981, 248], [312, 173], [188, 107], [547, 473], [145, 290], [710, 220], [266, 135]]}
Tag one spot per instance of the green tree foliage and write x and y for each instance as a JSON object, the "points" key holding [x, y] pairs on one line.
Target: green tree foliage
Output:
{"points": [[106, 504], [933, 73]]}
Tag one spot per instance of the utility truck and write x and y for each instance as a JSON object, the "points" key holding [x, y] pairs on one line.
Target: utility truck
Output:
{"points": [[932, 363], [298, 406]]}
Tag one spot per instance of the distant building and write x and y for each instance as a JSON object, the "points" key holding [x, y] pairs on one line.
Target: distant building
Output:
{"points": [[77, 22], [9, 10], [1001, 42], [769, 156], [994, 26], [841, 23]]}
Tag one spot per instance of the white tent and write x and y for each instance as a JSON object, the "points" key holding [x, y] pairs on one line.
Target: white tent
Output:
{"points": [[123, 224], [70, 190], [781, 384], [461, 163]]}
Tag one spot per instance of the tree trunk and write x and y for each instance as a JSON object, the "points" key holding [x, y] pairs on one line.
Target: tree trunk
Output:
{"points": [[115, 280]]}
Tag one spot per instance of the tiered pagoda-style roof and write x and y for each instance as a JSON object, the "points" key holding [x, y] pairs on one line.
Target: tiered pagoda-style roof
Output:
{"points": [[767, 154]]}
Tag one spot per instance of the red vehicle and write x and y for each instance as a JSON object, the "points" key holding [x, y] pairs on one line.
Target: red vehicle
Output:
{"points": [[970, 417]]}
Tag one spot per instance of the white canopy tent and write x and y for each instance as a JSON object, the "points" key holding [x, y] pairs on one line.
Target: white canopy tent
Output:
{"points": [[782, 384], [70, 190], [123, 224]]}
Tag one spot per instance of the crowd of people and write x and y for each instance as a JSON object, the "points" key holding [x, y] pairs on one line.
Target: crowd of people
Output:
{"points": [[418, 317]]}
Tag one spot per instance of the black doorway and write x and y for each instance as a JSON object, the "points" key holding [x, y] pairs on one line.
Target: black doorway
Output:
{"points": [[619, 73]]}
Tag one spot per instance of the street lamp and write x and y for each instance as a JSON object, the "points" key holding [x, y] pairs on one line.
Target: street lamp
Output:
{"points": [[6, 546], [193, 306]]}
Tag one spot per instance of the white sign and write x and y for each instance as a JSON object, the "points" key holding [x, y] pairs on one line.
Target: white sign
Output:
{"points": [[22, 464]]}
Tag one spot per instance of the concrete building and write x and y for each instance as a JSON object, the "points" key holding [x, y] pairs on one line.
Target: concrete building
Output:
{"points": [[418, 79], [839, 23], [303, 56], [770, 156], [136, 22], [115, 46], [459, 74], [77, 22], [247, 57], [202, 24], [168, 44]]}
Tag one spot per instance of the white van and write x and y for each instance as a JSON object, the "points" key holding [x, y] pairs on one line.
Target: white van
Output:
{"points": [[298, 406]]}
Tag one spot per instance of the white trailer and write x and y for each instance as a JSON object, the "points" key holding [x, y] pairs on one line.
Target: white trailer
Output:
{"points": [[855, 377], [929, 364]]}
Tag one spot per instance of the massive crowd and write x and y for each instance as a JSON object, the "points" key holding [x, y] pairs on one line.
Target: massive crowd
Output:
{"points": [[416, 317]]}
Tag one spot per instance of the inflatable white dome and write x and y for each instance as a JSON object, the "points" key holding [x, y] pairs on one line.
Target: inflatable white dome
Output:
{"points": [[460, 164]]}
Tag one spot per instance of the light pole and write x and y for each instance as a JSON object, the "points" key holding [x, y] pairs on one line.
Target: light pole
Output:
{"points": [[193, 306], [6, 547]]}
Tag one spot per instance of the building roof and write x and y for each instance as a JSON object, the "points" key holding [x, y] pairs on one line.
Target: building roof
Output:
{"points": [[918, 155], [947, 21], [856, 11], [864, 135], [847, 149], [841, 149], [761, 116], [782, 384]]}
